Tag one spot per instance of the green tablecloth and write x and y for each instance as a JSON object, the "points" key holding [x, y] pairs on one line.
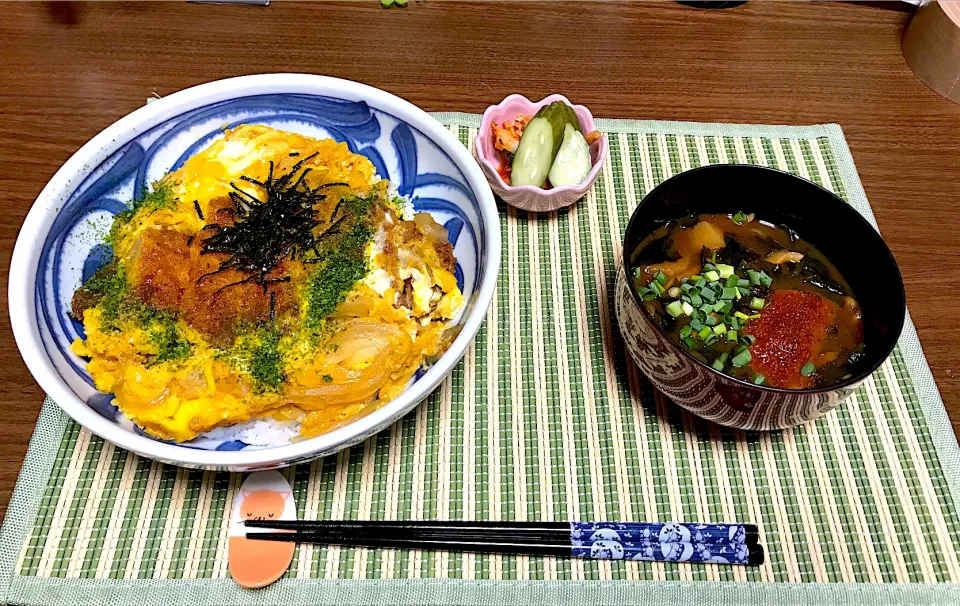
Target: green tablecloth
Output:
{"points": [[545, 418]]}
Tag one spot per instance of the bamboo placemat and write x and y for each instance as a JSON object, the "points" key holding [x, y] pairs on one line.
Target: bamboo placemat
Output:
{"points": [[544, 419]]}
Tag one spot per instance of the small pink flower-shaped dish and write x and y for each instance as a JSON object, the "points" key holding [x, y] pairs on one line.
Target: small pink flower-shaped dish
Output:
{"points": [[529, 197]]}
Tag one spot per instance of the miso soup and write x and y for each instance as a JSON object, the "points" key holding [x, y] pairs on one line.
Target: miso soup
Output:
{"points": [[750, 299]]}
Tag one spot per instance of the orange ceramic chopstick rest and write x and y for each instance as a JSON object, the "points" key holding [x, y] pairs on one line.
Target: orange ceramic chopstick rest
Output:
{"points": [[264, 495]]}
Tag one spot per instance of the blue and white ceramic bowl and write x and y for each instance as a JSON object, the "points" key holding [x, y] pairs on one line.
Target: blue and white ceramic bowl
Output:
{"points": [[58, 245]]}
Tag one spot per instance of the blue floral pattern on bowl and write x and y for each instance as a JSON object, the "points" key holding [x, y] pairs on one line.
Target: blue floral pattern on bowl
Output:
{"points": [[74, 249]]}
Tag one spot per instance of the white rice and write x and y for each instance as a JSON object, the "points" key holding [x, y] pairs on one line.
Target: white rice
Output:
{"points": [[258, 432]]}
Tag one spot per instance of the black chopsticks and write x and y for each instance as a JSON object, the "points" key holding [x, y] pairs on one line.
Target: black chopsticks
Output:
{"points": [[672, 542]]}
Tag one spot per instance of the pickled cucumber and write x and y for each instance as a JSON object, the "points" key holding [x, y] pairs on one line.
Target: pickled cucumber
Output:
{"points": [[558, 114], [540, 143], [534, 155], [572, 164]]}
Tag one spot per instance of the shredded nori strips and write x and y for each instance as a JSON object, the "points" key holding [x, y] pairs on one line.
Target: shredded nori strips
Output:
{"points": [[266, 231]]}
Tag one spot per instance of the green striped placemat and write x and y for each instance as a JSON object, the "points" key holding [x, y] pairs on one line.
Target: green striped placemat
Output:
{"points": [[545, 418]]}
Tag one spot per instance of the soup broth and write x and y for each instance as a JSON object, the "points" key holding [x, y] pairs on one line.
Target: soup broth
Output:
{"points": [[750, 299]]}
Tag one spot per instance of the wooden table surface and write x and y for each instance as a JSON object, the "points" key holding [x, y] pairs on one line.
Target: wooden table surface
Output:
{"points": [[70, 70]]}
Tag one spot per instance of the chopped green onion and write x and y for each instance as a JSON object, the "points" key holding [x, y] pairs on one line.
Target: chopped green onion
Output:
{"points": [[689, 342], [686, 287], [710, 340], [757, 304], [731, 281], [675, 309], [661, 277], [711, 276], [734, 323], [713, 258], [695, 277], [808, 369], [741, 315], [708, 294], [739, 349], [656, 287], [765, 279], [685, 331], [696, 301], [674, 292], [759, 379], [732, 336], [743, 282], [701, 282], [738, 294], [705, 332], [719, 329], [743, 290], [741, 359], [723, 357], [754, 276], [637, 272], [726, 271], [711, 320], [695, 324], [717, 365], [739, 217], [687, 308], [727, 307], [749, 339], [729, 293], [708, 267], [753, 317]]}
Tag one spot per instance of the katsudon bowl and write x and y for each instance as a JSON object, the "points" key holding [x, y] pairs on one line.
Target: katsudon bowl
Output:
{"points": [[817, 216], [62, 243]]}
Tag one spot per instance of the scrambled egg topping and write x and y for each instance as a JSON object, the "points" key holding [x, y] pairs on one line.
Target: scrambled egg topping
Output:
{"points": [[321, 311]]}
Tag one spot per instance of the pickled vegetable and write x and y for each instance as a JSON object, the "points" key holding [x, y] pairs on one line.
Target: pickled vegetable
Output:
{"points": [[541, 142], [572, 164], [558, 114], [534, 156]]}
